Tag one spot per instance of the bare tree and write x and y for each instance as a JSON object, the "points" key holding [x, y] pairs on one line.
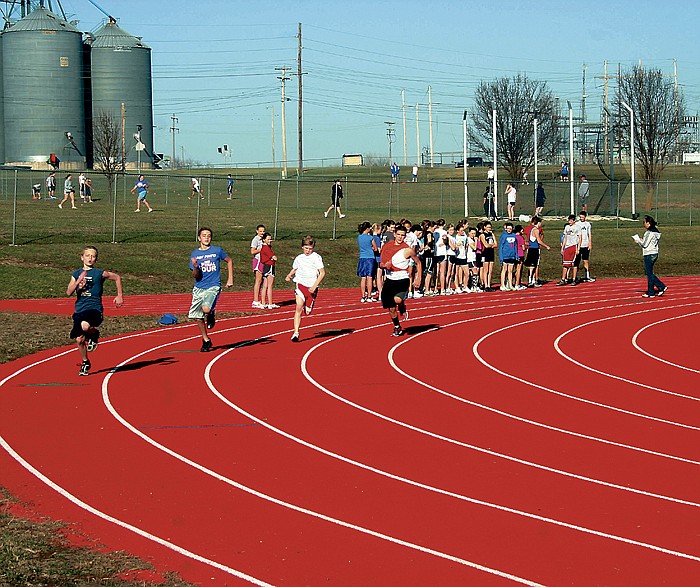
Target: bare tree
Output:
{"points": [[517, 101], [107, 140], [658, 108]]}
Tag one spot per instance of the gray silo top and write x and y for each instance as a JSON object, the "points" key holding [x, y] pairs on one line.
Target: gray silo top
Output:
{"points": [[112, 36], [42, 19]]}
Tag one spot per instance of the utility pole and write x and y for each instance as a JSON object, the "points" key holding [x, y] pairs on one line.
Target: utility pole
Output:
{"points": [[418, 159], [283, 78], [300, 131], [390, 137], [174, 129], [273, 136], [430, 127], [403, 111]]}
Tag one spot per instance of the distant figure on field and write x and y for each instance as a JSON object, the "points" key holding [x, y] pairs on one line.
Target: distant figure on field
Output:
{"points": [[584, 191], [336, 196], [414, 174], [395, 169], [540, 197], [51, 186], [229, 187], [564, 173], [68, 192], [141, 187]]}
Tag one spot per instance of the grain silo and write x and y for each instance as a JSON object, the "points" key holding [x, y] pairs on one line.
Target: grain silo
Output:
{"points": [[2, 111], [121, 74], [43, 91]]}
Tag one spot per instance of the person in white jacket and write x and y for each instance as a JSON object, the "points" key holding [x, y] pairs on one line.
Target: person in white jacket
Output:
{"points": [[650, 250]]}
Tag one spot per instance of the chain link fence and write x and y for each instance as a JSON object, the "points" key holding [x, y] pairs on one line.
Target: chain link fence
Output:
{"points": [[296, 205]]}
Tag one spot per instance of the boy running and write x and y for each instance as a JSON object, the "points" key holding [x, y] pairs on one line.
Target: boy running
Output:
{"points": [[205, 263], [395, 260], [307, 272], [87, 284]]}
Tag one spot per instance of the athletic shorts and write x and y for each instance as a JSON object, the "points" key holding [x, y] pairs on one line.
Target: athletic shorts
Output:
{"points": [[459, 262], [142, 195], [92, 317], [394, 288], [302, 291], [508, 261], [568, 256], [268, 271], [451, 259], [203, 297], [437, 259], [584, 254], [472, 264], [257, 265], [487, 256], [365, 268]]}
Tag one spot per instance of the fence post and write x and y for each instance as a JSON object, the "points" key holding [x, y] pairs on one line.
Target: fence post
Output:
{"points": [[690, 207], [14, 214], [114, 209]]}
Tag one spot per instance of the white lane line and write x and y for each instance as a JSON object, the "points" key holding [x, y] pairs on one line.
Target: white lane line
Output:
{"points": [[618, 377], [475, 350], [641, 350]]}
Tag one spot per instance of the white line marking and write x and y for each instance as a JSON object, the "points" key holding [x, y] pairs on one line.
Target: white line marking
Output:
{"points": [[640, 349]]}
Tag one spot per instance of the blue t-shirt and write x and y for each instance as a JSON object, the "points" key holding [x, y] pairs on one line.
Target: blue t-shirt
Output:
{"points": [[209, 261], [141, 186], [365, 243], [377, 241], [508, 246], [89, 297]]}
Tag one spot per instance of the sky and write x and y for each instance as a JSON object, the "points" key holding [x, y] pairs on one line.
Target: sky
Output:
{"points": [[214, 66]]}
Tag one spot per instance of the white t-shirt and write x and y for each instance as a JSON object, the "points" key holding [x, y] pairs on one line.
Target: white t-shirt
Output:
{"points": [[307, 268], [571, 233], [512, 195], [461, 240], [440, 246], [471, 253], [256, 243], [411, 240], [585, 230], [415, 170]]}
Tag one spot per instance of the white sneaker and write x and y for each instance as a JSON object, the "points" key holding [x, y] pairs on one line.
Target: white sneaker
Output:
{"points": [[272, 306], [417, 295], [503, 288], [410, 295], [257, 305], [341, 216], [325, 214]]}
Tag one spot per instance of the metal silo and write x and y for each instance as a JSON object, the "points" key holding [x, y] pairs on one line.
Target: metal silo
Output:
{"points": [[43, 91], [2, 111], [121, 74]]}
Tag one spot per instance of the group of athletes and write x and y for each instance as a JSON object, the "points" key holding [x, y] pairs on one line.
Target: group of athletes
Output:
{"points": [[398, 261]]}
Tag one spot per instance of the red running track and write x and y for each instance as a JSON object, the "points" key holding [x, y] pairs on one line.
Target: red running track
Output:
{"points": [[538, 437]]}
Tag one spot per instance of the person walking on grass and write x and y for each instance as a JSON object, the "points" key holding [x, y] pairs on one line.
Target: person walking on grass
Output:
{"points": [[336, 196], [307, 272], [205, 264], [68, 192], [650, 252], [395, 260], [87, 284], [141, 187]]}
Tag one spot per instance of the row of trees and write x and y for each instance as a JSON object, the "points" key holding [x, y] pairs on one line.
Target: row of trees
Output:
{"points": [[657, 104]]}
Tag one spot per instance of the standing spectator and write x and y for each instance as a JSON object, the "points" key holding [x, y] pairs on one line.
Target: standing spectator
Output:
{"points": [[336, 196], [205, 264], [395, 169], [229, 187], [586, 245], [81, 186], [255, 248], [564, 173], [532, 258], [307, 272], [508, 255], [512, 195], [68, 192], [650, 251], [195, 188], [414, 173], [365, 264], [268, 260], [489, 210], [570, 245], [141, 187], [51, 186], [491, 176], [520, 244], [584, 191], [540, 197], [87, 284], [87, 190]]}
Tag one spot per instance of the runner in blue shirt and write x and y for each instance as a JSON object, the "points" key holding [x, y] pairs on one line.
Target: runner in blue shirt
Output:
{"points": [[229, 187], [205, 263], [142, 188]]}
